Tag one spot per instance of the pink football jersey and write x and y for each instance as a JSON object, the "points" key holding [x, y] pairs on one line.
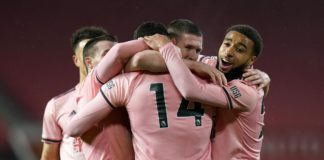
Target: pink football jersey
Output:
{"points": [[164, 125], [58, 111], [111, 137], [239, 129]]}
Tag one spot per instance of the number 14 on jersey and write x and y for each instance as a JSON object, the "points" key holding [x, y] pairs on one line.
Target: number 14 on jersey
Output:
{"points": [[197, 111]]}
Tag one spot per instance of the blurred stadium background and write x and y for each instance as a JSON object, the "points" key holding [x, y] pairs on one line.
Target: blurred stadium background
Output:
{"points": [[37, 65]]}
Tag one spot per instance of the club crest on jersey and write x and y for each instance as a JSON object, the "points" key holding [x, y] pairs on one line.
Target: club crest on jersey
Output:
{"points": [[236, 92], [110, 84]]}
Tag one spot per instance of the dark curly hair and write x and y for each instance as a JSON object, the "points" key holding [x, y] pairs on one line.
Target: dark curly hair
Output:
{"points": [[88, 48], [251, 33], [87, 32], [180, 26], [150, 28]]}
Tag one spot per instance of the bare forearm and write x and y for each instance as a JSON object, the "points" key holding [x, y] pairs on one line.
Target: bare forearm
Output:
{"points": [[152, 61], [148, 60], [50, 151]]}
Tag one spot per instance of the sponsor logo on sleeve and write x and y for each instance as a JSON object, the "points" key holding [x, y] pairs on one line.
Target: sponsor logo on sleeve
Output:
{"points": [[236, 92], [110, 84]]}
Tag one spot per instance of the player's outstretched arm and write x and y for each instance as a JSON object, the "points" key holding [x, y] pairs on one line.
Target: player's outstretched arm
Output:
{"points": [[188, 85], [152, 61], [93, 112], [206, 71], [114, 61], [148, 60]]}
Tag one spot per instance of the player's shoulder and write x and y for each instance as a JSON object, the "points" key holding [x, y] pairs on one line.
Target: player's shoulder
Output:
{"points": [[244, 85], [64, 94], [61, 98], [122, 79], [130, 76], [58, 102], [244, 91]]}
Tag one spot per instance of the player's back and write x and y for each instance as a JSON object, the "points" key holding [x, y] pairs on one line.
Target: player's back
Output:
{"points": [[164, 125], [110, 138]]}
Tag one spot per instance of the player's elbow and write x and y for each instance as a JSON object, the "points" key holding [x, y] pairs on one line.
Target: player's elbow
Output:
{"points": [[136, 63]]}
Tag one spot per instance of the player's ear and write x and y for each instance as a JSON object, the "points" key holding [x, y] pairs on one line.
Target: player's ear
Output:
{"points": [[252, 60], [88, 62], [76, 60], [174, 41]]}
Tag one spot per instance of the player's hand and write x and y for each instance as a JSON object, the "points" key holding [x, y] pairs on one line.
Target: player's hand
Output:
{"points": [[257, 77], [156, 41], [205, 71]]}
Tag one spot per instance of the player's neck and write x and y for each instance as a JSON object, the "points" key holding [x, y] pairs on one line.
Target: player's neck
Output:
{"points": [[81, 76]]}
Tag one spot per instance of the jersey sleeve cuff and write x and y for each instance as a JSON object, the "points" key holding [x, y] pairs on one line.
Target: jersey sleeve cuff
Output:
{"points": [[46, 140], [107, 100]]}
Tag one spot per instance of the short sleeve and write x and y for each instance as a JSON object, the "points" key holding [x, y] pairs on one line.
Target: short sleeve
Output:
{"points": [[117, 90], [51, 131], [241, 96]]}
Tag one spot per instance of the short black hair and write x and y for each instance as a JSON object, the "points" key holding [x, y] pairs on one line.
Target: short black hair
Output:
{"points": [[179, 26], [149, 28], [88, 49], [251, 33], [87, 32]]}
